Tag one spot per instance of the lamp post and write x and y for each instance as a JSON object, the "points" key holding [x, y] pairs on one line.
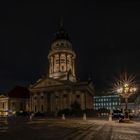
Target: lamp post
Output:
{"points": [[126, 90]]}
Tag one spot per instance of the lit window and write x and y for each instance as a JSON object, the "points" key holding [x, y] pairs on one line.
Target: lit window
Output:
{"points": [[68, 61], [62, 60], [3, 105], [62, 68], [57, 61]]}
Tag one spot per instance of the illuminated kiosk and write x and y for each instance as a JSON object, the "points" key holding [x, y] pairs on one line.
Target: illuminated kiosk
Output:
{"points": [[126, 90]]}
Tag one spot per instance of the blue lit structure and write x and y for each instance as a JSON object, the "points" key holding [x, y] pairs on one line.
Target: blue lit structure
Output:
{"points": [[109, 102]]}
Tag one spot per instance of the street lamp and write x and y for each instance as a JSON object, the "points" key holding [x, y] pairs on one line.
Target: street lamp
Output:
{"points": [[126, 90]]}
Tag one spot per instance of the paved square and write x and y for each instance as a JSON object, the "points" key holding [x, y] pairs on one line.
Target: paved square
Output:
{"points": [[72, 129]]}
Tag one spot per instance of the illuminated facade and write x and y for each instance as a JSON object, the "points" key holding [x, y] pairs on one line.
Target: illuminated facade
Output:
{"points": [[60, 89], [62, 58], [16, 100], [3, 105], [109, 102]]}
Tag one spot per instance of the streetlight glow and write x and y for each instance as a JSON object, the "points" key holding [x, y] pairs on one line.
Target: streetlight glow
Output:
{"points": [[119, 90], [125, 88]]}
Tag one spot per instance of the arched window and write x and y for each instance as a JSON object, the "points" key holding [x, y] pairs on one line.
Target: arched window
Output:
{"points": [[62, 68]]}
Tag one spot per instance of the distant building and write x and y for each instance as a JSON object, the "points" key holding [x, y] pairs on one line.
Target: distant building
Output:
{"points": [[112, 102], [60, 89], [18, 99], [14, 101], [109, 102], [3, 105]]}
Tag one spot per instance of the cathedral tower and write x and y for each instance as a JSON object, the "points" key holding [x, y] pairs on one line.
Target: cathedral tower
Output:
{"points": [[62, 57]]}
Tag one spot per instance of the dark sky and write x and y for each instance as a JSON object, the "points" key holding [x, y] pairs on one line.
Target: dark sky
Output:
{"points": [[105, 36]]}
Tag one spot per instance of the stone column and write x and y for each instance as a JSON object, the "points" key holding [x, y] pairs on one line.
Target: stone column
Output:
{"points": [[73, 66], [53, 64], [41, 102], [59, 61], [45, 102], [61, 100], [48, 101], [37, 103], [50, 65], [70, 99], [51, 103], [31, 102], [85, 100], [66, 61]]}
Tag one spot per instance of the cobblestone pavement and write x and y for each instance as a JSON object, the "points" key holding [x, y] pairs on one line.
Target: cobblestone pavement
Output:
{"points": [[52, 129]]}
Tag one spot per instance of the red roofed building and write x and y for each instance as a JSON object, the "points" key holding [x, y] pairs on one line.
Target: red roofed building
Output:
{"points": [[16, 100], [19, 92]]}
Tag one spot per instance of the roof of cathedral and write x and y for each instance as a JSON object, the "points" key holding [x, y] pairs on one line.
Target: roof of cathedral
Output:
{"points": [[53, 84], [61, 34], [3, 96]]}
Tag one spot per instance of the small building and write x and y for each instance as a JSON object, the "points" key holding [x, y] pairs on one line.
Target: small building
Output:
{"points": [[109, 102], [3, 105], [15, 100], [18, 99]]}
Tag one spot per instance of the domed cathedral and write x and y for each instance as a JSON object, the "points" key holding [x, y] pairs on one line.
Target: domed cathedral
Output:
{"points": [[62, 57], [60, 89]]}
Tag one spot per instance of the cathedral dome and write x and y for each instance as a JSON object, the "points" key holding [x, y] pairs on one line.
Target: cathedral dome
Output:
{"points": [[61, 40], [61, 34], [62, 57]]}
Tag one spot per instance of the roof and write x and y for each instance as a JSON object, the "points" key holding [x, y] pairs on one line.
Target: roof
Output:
{"points": [[19, 92], [50, 84], [61, 34], [3, 96]]}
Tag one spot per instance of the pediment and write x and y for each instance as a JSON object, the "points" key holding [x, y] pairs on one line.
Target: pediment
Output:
{"points": [[3, 96], [46, 83]]}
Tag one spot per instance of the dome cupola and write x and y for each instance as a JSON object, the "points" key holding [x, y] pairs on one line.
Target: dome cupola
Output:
{"points": [[62, 57]]}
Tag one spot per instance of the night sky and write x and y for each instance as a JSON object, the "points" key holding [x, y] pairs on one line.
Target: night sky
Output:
{"points": [[105, 36]]}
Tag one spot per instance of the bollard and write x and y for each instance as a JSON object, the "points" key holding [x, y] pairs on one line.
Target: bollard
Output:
{"points": [[63, 117], [110, 118], [84, 117]]}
